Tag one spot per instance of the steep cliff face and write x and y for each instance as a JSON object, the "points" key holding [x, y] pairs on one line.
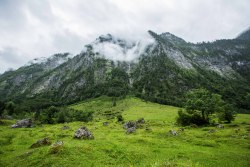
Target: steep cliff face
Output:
{"points": [[160, 68]]}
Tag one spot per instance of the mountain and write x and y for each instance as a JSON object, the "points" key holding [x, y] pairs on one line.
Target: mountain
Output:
{"points": [[245, 35], [160, 68]]}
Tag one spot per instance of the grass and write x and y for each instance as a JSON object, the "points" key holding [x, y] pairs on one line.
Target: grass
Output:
{"points": [[113, 147]]}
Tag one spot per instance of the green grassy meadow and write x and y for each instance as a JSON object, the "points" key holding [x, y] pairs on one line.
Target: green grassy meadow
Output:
{"points": [[113, 147]]}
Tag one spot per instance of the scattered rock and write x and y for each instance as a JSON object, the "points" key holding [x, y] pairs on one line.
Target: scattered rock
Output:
{"points": [[211, 131], [56, 147], [65, 127], [220, 126], [105, 123], [130, 124], [42, 142], [173, 132], [131, 130], [24, 123], [83, 133]]}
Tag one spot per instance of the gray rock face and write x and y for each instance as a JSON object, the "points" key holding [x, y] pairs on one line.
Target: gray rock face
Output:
{"points": [[41, 142], [24, 123], [83, 133]]}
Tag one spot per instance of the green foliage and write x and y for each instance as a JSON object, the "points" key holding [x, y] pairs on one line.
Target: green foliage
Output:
{"points": [[228, 114], [2, 107], [119, 118], [54, 114], [112, 147], [199, 107], [10, 107]]}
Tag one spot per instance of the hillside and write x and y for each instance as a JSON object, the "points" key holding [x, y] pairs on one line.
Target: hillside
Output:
{"points": [[160, 68], [113, 147]]}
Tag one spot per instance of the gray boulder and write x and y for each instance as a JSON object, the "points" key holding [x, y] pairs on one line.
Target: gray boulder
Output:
{"points": [[131, 130], [83, 133], [130, 124], [24, 123]]}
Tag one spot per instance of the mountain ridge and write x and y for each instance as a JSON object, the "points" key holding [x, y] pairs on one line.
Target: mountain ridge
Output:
{"points": [[160, 68]]}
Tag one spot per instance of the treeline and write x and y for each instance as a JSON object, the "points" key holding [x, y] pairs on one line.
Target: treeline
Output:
{"points": [[49, 115]]}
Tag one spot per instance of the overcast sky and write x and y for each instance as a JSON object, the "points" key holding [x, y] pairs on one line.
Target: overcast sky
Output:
{"points": [[40, 28]]}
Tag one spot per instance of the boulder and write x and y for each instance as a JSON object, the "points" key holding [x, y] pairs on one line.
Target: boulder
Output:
{"points": [[83, 133], [131, 130], [173, 132], [24, 123], [42, 142], [130, 124]]}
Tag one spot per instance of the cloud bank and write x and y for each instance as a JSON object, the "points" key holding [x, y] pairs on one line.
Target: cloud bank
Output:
{"points": [[31, 29]]}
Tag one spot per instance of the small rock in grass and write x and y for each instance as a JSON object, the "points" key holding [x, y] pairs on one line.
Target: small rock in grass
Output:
{"points": [[173, 132], [56, 147], [131, 130], [24, 123], [83, 133], [41, 142], [129, 124]]}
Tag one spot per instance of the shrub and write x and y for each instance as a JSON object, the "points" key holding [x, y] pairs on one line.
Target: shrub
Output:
{"points": [[119, 118]]}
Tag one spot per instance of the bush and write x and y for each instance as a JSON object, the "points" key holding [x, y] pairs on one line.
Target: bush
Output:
{"points": [[228, 114], [185, 118], [119, 118]]}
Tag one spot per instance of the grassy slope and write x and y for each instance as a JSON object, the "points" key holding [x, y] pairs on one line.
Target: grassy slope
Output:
{"points": [[112, 147]]}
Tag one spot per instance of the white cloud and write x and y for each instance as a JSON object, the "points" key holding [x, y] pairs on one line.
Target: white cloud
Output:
{"points": [[42, 28]]}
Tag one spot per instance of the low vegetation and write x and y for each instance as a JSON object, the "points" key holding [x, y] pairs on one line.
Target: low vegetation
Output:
{"points": [[152, 144]]}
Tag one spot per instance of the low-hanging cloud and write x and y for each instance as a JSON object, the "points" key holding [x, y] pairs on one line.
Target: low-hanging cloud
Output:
{"points": [[41, 28]]}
